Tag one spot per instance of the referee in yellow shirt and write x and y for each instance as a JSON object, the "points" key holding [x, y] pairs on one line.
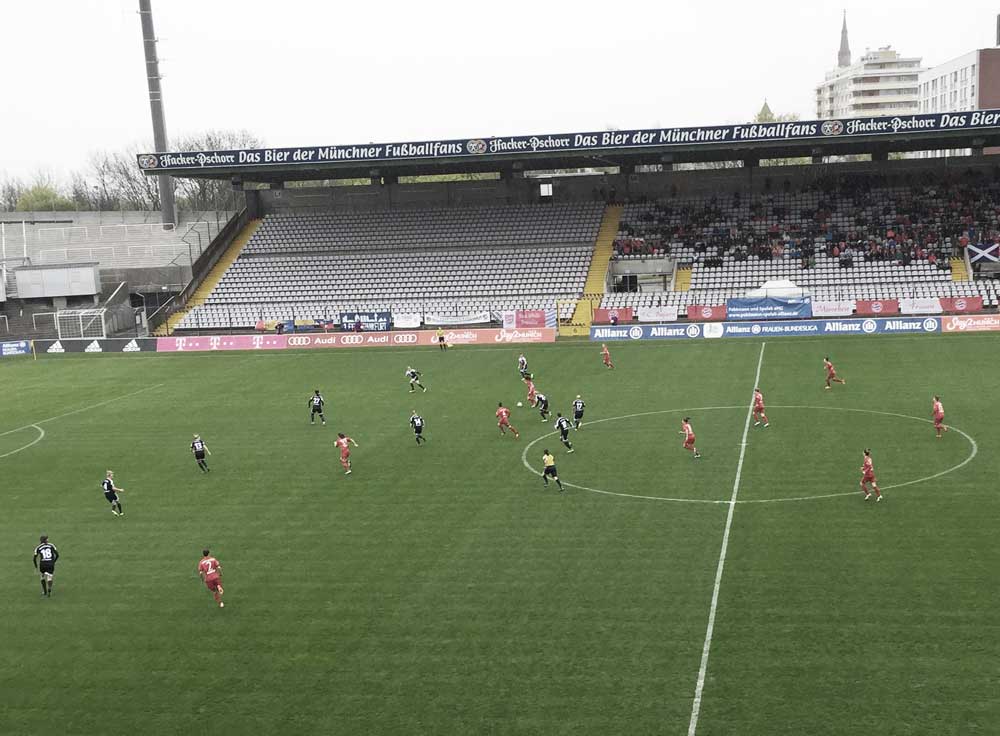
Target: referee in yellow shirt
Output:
{"points": [[440, 338], [550, 470]]}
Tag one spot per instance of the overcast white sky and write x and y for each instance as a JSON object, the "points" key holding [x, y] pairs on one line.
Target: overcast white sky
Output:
{"points": [[312, 72]]}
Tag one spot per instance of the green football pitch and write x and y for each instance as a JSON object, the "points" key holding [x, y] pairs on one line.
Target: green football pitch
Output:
{"points": [[442, 589]]}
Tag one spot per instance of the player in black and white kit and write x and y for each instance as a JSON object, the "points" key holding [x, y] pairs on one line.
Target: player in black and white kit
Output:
{"points": [[414, 377], [578, 407], [522, 366], [562, 424], [542, 402], [317, 403], [417, 422], [44, 560], [199, 448], [111, 492]]}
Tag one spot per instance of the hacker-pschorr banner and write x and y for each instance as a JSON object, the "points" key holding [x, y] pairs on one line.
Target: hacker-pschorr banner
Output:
{"points": [[96, 346], [579, 142]]}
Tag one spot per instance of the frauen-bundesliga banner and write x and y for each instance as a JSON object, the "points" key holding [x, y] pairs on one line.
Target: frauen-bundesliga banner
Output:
{"points": [[768, 307], [527, 318], [15, 347], [805, 130]]}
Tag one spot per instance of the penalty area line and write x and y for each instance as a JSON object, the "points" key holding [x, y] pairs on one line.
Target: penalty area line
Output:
{"points": [[41, 432], [710, 629]]}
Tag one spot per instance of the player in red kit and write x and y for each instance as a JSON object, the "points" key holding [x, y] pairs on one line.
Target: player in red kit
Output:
{"points": [[868, 476], [531, 390], [211, 572], [758, 409], [344, 442], [831, 373], [606, 356], [937, 410], [503, 421], [688, 436]]}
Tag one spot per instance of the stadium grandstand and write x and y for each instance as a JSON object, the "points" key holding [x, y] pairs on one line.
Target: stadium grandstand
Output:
{"points": [[501, 224], [154, 260]]}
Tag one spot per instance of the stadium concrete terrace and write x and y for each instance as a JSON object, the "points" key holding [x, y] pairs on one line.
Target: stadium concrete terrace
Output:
{"points": [[510, 155]]}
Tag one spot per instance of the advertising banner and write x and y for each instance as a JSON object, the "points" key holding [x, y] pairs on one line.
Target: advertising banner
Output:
{"points": [[843, 308], [769, 328], [699, 311], [921, 305], [603, 316], [477, 318], [16, 347], [464, 148], [370, 321], [962, 304], [971, 323], [768, 307], [406, 321], [223, 342], [529, 318], [422, 337], [99, 345], [877, 307], [646, 332], [658, 314]]}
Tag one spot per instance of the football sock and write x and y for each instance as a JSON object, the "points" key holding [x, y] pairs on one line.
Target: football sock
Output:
{"points": [[559, 483], [44, 591]]}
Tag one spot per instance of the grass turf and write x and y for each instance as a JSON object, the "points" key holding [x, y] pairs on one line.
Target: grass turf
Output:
{"points": [[440, 589]]}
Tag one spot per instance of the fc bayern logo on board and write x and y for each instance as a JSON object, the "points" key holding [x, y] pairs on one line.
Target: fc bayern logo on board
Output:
{"points": [[148, 161], [476, 145], [832, 127]]}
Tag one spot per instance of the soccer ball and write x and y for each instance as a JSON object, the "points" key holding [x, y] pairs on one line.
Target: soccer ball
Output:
{"points": [[519, 404]]}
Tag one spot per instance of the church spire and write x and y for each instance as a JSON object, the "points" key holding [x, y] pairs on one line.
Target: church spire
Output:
{"points": [[844, 55]]}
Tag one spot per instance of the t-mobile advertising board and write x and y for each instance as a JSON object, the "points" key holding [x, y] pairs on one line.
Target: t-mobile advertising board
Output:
{"points": [[352, 339]]}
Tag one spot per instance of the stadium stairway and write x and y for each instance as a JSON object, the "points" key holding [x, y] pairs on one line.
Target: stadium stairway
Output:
{"points": [[683, 280], [583, 315], [958, 270], [211, 280]]}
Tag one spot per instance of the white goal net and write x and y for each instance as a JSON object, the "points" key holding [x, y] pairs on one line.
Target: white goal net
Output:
{"points": [[80, 323]]}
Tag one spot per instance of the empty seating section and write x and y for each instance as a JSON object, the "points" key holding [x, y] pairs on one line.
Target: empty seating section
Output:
{"points": [[451, 261], [554, 224], [841, 240]]}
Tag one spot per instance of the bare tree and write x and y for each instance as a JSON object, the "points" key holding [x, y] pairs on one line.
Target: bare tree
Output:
{"points": [[210, 194]]}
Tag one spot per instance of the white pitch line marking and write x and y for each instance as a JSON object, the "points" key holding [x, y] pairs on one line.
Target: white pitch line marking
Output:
{"points": [[969, 438], [39, 438], [41, 432], [527, 447], [703, 669]]}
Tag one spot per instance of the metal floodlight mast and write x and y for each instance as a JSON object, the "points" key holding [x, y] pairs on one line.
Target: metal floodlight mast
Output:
{"points": [[166, 183]]}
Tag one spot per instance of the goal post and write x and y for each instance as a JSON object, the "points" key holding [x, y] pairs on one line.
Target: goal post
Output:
{"points": [[81, 323]]}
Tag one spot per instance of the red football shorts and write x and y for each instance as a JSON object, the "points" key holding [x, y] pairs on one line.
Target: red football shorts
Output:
{"points": [[869, 479], [689, 442], [938, 420], [503, 423], [831, 374], [344, 454], [213, 584]]}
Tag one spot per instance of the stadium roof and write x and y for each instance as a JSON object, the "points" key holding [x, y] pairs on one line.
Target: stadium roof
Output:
{"points": [[938, 131]]}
